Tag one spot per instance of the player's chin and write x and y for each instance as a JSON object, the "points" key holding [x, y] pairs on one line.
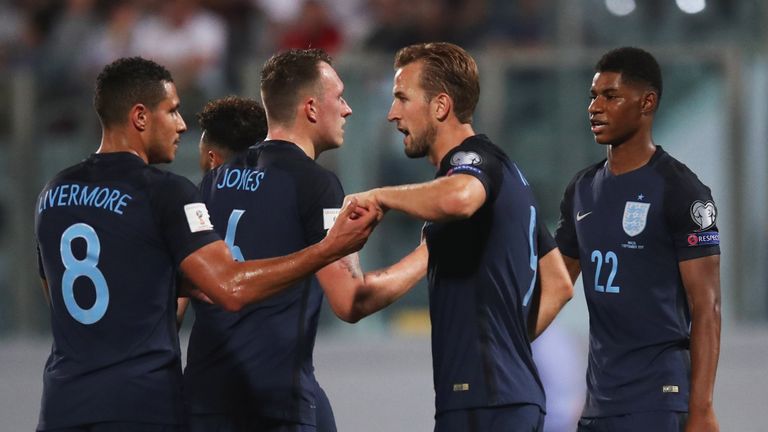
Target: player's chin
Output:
{"points": [[602, 139]]}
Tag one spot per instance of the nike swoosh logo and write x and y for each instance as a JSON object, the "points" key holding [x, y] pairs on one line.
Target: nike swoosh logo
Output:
{"points": [[580, 216]]}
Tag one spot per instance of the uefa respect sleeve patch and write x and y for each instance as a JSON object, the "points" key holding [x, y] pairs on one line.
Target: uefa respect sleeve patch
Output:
{"points": [[198, 217], [706, 238]]}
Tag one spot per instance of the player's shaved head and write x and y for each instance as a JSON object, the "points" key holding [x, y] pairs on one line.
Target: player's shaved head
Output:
{"points": [[635, 66], [285, 77]]}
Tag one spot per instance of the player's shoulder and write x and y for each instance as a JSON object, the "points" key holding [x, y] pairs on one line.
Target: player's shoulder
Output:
{"points": [[69, 173], [473, 149], [157, 177], [309, 176], [316, 179], [164, 185], [676, 173], [586, 174]]}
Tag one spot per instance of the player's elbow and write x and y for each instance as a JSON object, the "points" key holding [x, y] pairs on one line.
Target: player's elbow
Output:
{"points": [[560, 290], [351, 318], [231, 305], [566, 290], [350, 314], [707, 310], [232, 300]]}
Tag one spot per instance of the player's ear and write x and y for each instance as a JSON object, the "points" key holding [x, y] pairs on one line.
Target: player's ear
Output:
{"points": [[139, 117], [442, 106], [649, 102], [212, 158], [310, 109]]}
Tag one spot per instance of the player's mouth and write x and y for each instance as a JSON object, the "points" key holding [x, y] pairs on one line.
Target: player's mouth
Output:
{"points": [[405, 133], [597, 126]]}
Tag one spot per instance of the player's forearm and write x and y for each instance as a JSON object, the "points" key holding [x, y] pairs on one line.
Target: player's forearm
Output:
{"points": [[384, 287], [236, 284], [701, 280], [556, 291], [256, 280], [233, 285], [550, 306], [443, 199], [705, 352]]}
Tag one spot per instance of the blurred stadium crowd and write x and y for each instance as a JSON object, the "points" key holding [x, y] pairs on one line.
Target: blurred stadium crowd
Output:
{"points": [[206, 42]]}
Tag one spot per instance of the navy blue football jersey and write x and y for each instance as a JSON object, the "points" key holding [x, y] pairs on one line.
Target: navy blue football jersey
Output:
{"points": [[629, 233], [111, 232], [482, 274], [271, 201]]}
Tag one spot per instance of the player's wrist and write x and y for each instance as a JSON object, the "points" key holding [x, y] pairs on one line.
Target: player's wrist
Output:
{"points": [[700, 407]]}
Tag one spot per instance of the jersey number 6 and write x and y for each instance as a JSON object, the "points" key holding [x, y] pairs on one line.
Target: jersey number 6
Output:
{"points": [[229, 238]]}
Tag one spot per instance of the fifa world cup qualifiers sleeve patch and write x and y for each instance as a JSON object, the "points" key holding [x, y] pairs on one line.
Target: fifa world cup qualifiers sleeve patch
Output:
{"points": [[704, 215], [329, 217], [198, 217]]}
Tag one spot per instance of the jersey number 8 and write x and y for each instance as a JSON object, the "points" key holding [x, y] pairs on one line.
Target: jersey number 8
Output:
{"points": [[86, 267]]}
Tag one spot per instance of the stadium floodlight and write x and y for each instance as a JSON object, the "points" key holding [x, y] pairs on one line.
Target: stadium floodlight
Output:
{"points": [[620, 7], [691, 6]]}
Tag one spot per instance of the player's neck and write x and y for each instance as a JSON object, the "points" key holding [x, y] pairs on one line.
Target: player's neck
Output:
{"points": [[448, 137], [116, 140], [300, 140], [630, 156]]}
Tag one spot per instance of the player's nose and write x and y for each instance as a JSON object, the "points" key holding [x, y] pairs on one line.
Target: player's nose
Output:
{"points": [[393, 115]]}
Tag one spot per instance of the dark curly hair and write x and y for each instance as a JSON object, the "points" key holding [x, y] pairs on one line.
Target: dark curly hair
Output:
{"points": [[233, 123], [125, 83], [284, 76], [635, 66]]}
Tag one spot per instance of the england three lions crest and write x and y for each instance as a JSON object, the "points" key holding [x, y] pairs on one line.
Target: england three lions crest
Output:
{"points": [[635, 216]]}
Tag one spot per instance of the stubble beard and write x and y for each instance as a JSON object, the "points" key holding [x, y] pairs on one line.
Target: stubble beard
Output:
{"points": [[420, 147]]}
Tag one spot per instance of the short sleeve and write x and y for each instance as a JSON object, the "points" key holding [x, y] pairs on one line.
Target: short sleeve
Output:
{"points": [[544, 239], [182, 216], [478, 160], [691, 215], [565, 234], [320, 196]]}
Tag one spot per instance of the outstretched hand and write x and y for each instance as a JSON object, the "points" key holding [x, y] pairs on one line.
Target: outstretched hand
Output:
{"points": [[352, 227], [367, 200]]}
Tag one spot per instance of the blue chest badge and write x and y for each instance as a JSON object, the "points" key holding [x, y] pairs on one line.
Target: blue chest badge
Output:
{"points": [[635, 217]]}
